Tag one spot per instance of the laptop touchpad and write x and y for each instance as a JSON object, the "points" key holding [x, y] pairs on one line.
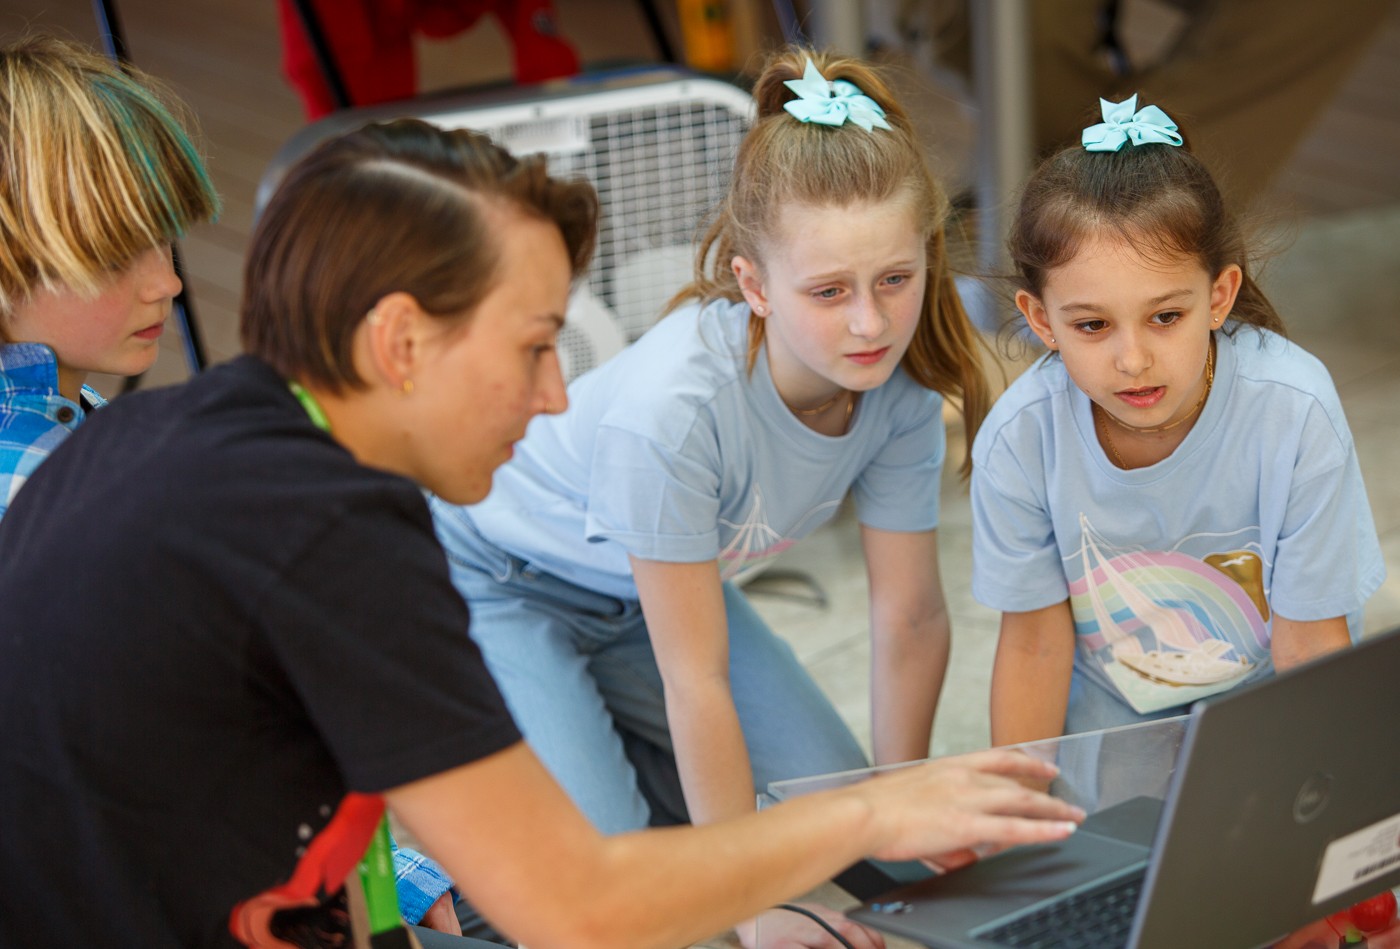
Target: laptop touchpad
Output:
{"points": [[1004, 883]]}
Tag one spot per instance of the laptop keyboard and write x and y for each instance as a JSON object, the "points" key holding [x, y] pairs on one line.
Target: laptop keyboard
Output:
{"points": [[1100, 918]]}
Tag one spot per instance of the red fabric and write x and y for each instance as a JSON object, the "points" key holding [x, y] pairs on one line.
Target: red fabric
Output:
{"points": [[328, 861], [540, 53], [372, 44]]}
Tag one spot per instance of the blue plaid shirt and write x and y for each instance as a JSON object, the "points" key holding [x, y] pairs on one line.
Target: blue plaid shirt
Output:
{"points": [[34, 418], [420, 882]]}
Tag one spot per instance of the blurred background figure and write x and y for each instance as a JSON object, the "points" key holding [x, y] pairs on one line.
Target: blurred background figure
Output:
{"points": [[1248, 76]]}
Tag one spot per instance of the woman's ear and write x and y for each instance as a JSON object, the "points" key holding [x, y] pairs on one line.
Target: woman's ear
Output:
{"points": [[393, 339], [1223, 292], [751, 285], [1036, 317]]}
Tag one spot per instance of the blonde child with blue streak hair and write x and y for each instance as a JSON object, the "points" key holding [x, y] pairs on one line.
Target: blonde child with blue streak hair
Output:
{"points": [[97, 178]]}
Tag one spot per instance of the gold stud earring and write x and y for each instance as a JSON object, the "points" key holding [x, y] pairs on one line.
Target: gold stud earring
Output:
{"points": [[408, 387]]}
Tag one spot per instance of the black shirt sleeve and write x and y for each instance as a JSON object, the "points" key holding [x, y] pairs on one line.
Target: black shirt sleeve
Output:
{"points": [[372, 637]]}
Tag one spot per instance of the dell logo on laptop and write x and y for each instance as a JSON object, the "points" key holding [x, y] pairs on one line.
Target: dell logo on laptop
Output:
{"points": [[1312, 797]]}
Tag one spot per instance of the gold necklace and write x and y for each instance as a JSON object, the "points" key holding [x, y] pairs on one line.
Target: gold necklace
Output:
{"points": [[1158, 429], [819, 409], [1103, 429], [1112, 449], [850, 408]]}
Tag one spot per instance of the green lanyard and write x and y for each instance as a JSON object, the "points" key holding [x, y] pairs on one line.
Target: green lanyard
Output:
{"points": [[311, 406], [377, 865], [377, 877]]}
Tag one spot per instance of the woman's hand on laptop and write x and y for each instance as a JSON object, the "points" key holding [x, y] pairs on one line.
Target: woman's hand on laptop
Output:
{"points": [[950, 809]]}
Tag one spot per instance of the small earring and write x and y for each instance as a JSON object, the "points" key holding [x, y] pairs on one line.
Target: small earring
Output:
{"points": [[760, 310], [408, 387], [1052, 340]]}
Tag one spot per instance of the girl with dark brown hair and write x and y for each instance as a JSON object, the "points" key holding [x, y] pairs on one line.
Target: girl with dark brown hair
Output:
{"points": [[1168, 504]]}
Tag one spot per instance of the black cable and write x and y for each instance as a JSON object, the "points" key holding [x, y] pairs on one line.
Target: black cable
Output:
{"points": [[325, 56], [802, 911], [658, 31], [790, 24]]}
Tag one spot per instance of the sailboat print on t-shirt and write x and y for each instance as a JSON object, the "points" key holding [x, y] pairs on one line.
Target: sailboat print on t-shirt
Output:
{"points": [[748, 545], [1167, 627]]}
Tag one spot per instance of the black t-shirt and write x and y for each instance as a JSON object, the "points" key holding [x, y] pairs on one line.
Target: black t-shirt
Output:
{"points": [[213, 624]]}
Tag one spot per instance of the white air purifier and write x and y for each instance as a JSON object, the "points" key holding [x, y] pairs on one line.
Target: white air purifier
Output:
{"points": [[658, 142]]}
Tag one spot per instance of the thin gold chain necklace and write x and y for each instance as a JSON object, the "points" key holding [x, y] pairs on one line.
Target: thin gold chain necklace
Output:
{"points": [[819, 409], [1200, 403], [1112, 449], [850, 407]]}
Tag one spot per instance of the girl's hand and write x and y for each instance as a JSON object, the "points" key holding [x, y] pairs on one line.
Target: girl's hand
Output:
{"points": [[784, 929]]}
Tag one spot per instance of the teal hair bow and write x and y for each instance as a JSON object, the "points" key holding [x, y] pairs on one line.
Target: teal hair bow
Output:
{"points": [[832, 103], [1124, 122]]}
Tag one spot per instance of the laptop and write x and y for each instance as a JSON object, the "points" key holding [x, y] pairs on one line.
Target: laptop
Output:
{"points": [[1283, 806]]}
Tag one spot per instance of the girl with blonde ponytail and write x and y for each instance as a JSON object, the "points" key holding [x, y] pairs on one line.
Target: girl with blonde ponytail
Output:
{"points": [[778, 165], [809, 359]]}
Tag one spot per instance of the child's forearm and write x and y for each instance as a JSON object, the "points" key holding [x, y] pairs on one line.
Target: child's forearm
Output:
{"points": [[711, 754], [684, 608], [1031, 676], [1295, 642], [1022, 707], [907, 674]]}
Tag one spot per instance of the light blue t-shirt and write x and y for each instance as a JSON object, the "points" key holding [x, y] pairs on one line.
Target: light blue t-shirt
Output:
{"points": [[1174, 571], [672, 451]]}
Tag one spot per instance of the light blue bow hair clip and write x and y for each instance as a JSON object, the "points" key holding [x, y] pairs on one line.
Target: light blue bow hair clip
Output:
{"points": [[832, 103], [1124, 122]]}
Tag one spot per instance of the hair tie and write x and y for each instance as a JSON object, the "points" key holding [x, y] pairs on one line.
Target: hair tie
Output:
{"points": [[1124, 122], [832, 103]]}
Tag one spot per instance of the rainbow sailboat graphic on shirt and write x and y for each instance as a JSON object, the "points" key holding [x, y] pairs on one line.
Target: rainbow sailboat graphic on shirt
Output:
{"points": [[1165, 627]]}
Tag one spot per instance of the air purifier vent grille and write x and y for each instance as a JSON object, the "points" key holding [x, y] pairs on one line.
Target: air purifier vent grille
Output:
{"points": [[660, 159]]}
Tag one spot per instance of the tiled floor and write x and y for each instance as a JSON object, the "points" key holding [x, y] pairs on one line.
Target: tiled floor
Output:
{"points": [[1336, 283]]}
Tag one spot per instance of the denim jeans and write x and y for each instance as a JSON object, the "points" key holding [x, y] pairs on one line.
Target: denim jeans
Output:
{"points": [[577, 671]]}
